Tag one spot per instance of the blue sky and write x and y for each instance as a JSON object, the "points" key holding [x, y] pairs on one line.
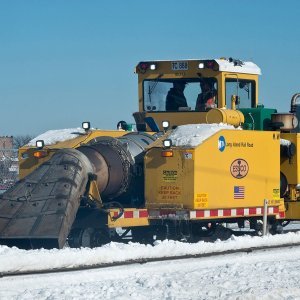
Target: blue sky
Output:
{"points": [[64, 62]]}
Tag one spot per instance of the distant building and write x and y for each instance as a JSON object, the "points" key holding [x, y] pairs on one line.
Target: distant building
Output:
{"points": [[9, 168], [6, 146]]}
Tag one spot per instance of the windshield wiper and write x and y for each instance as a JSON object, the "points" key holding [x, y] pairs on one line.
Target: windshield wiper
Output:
{"points": [[151, 89]]}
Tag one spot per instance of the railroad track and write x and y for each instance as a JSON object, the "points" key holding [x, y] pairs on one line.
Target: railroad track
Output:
{"points": [[144, 260]]}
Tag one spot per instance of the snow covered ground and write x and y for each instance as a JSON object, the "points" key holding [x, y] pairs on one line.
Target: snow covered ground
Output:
{"points": [[266, 274]]}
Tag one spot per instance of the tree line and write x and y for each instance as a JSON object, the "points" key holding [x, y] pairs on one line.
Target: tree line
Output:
{"points": [[21, 140]]}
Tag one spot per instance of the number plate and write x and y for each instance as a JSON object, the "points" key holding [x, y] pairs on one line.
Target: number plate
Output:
{"points": [[179, 65]]}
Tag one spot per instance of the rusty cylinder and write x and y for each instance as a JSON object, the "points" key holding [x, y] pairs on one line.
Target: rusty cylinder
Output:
{"points": [[118, 164]]}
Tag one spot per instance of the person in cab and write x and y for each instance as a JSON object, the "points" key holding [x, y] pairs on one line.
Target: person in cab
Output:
{"points": [[175, 98], [207, 98]]}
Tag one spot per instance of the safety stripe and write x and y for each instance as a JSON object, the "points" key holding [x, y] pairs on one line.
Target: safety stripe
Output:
{"points": [[235, 212], [132, 214], [200, 214]]}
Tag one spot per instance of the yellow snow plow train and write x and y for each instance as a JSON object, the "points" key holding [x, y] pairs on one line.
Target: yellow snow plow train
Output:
{"points": [[202, 152]]}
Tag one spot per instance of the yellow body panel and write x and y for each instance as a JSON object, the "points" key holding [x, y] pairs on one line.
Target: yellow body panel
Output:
{"points": [[258, 153], [27, 165], [205, 177]]}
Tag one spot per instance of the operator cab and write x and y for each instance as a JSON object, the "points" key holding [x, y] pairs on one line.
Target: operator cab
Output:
{"points": [[182, 92]]}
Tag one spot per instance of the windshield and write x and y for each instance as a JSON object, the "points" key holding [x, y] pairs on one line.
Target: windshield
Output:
{"points": [[180, 95]]}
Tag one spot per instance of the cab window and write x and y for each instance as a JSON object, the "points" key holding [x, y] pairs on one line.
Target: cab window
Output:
{"points": [[176, 95], [244, 89]]}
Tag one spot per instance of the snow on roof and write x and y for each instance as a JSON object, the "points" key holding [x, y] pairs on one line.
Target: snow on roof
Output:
{"points": [[245, 67], [194, 134], [51, 137], [184, 135], [284, 142]]}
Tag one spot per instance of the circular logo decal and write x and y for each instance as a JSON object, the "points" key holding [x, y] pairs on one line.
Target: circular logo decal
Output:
{"points": [[239, 168], [221, 143]]}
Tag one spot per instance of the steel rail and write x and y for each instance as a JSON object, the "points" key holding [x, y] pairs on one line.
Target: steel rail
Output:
{"points": [[144, 260]]}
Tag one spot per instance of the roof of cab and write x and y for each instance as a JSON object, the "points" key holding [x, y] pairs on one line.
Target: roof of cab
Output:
{"points": [[225, 65]]}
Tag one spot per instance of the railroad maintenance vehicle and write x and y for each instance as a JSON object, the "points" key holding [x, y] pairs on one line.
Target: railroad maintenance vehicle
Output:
{"points": [[203, 153]]}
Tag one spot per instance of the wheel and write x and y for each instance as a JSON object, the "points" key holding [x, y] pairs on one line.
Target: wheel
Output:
{"points": [[221, 233], [74, 238], [99, 237], [273, 227], [88, 237], [142, 234], [259, 228], [276, 228]]}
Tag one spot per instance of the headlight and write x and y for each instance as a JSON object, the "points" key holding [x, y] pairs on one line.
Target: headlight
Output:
{"points": [[153, 67], [86, 125], [167, 143], [165, 125], [40, 144], [201, 65]]}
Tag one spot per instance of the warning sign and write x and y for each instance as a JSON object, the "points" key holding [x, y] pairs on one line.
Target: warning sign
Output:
{"points": [[169, 192], [169, 175], [276, 194], [188, 155], [201, 200]]}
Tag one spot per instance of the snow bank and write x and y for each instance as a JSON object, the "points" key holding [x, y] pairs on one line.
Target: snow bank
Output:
{"points": [[194, 134], [14, 259]]}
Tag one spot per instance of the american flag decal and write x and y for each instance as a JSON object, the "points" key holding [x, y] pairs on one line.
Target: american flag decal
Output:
{"points": [[239, 192]]}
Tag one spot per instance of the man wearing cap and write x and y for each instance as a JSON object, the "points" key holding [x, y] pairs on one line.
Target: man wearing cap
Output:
{"points": [[207, 98], [175, 97]]}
